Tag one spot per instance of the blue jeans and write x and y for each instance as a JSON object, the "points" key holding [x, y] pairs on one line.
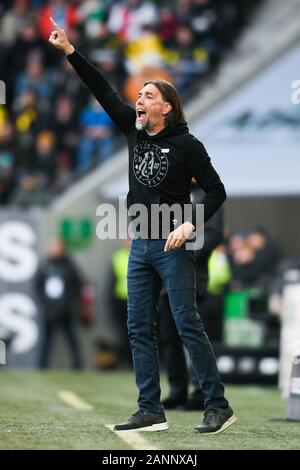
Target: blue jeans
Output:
{"points": [[148, 266]]}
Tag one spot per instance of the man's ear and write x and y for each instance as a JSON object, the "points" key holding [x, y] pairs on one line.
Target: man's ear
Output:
{"points": [[167, 107]]}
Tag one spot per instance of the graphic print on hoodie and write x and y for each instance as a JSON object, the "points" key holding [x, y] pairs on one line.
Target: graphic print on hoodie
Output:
{"points": [[150, 164]]}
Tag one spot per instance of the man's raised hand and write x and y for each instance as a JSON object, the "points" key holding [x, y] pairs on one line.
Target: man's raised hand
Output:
{"points": [[59, 38]]}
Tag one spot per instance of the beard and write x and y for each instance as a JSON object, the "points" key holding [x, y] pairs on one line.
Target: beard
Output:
{"points": [[141, 126]]}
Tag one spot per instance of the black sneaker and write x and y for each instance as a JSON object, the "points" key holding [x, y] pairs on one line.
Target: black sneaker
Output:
{"points": [[216, 420], [144, 421]]}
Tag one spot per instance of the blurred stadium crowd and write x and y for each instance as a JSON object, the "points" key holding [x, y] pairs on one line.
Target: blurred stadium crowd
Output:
{"points": [[51, 130]]}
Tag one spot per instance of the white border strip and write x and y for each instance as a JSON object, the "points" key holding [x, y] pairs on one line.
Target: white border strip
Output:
{"points": [[132, 438], [73, 400]]}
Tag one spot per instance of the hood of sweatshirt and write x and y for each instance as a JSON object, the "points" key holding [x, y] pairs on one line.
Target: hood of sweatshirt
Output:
{"points": [[168, 131]]}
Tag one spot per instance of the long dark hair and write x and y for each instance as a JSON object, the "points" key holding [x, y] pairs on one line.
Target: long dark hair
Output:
{"points": [[170, 95]]}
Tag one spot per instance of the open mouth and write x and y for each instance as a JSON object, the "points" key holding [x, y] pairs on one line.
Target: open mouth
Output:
{"points": [[140, 113]]}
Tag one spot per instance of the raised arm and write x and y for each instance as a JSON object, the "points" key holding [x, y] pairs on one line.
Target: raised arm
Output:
{"points": [[122, 115]]}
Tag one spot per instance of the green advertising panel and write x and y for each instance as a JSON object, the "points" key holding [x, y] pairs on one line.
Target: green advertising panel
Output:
{"points": [[76, 233]]}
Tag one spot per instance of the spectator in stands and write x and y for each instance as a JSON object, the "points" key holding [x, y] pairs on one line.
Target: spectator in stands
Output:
{"points": [[65, 127], [127, 18], [187, 60], [7, 161], [65, 82], [208, 28], [136, 81], [203, 18], [28, 47], [7, 140], [12, 22], [146, 50], [65, 12], [3, 118], [25, 115], [252, 256], [30, 191], [92, 14], [106, 51], [266, 250], [97, 137], [227, 23], [35, 78], [76, 33], [110, 63], [45, 156], [184, 10], [167, 26], [58, 286]]}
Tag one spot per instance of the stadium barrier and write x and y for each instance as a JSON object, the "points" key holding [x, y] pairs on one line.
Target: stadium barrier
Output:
{"points": [[21, 239], [293, 408]]}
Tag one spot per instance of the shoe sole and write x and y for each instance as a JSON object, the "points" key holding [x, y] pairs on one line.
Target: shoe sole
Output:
{"points": [[152, 428], [226, 425]]}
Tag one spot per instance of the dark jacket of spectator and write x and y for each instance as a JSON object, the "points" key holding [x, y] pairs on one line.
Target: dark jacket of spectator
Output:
{"points": [[58, 285]]}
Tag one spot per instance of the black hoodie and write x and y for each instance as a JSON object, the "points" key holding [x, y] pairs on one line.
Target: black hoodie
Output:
{"points": [[160, 166]]}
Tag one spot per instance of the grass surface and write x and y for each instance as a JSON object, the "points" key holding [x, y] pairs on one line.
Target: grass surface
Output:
{"points": [[34, 417]]}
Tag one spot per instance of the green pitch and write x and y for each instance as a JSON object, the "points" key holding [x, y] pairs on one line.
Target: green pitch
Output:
{"points": [[35, 414]]}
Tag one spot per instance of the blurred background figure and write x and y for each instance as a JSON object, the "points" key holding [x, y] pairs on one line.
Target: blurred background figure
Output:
{"points": [[118, 302], [65, 12], [188, 59], [136, 81], [30, 191], [64, 124], [173, 351], [58, 286], [127, 18], [45, 155], [96, 143], [7, 161], [253, 257]]}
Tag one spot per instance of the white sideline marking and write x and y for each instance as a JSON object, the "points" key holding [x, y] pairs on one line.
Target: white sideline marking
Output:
{"points": [[134, 439], [73, 400]]}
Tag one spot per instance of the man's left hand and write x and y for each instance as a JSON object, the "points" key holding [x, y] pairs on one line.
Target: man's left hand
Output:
{"points": [[179, 236]]}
